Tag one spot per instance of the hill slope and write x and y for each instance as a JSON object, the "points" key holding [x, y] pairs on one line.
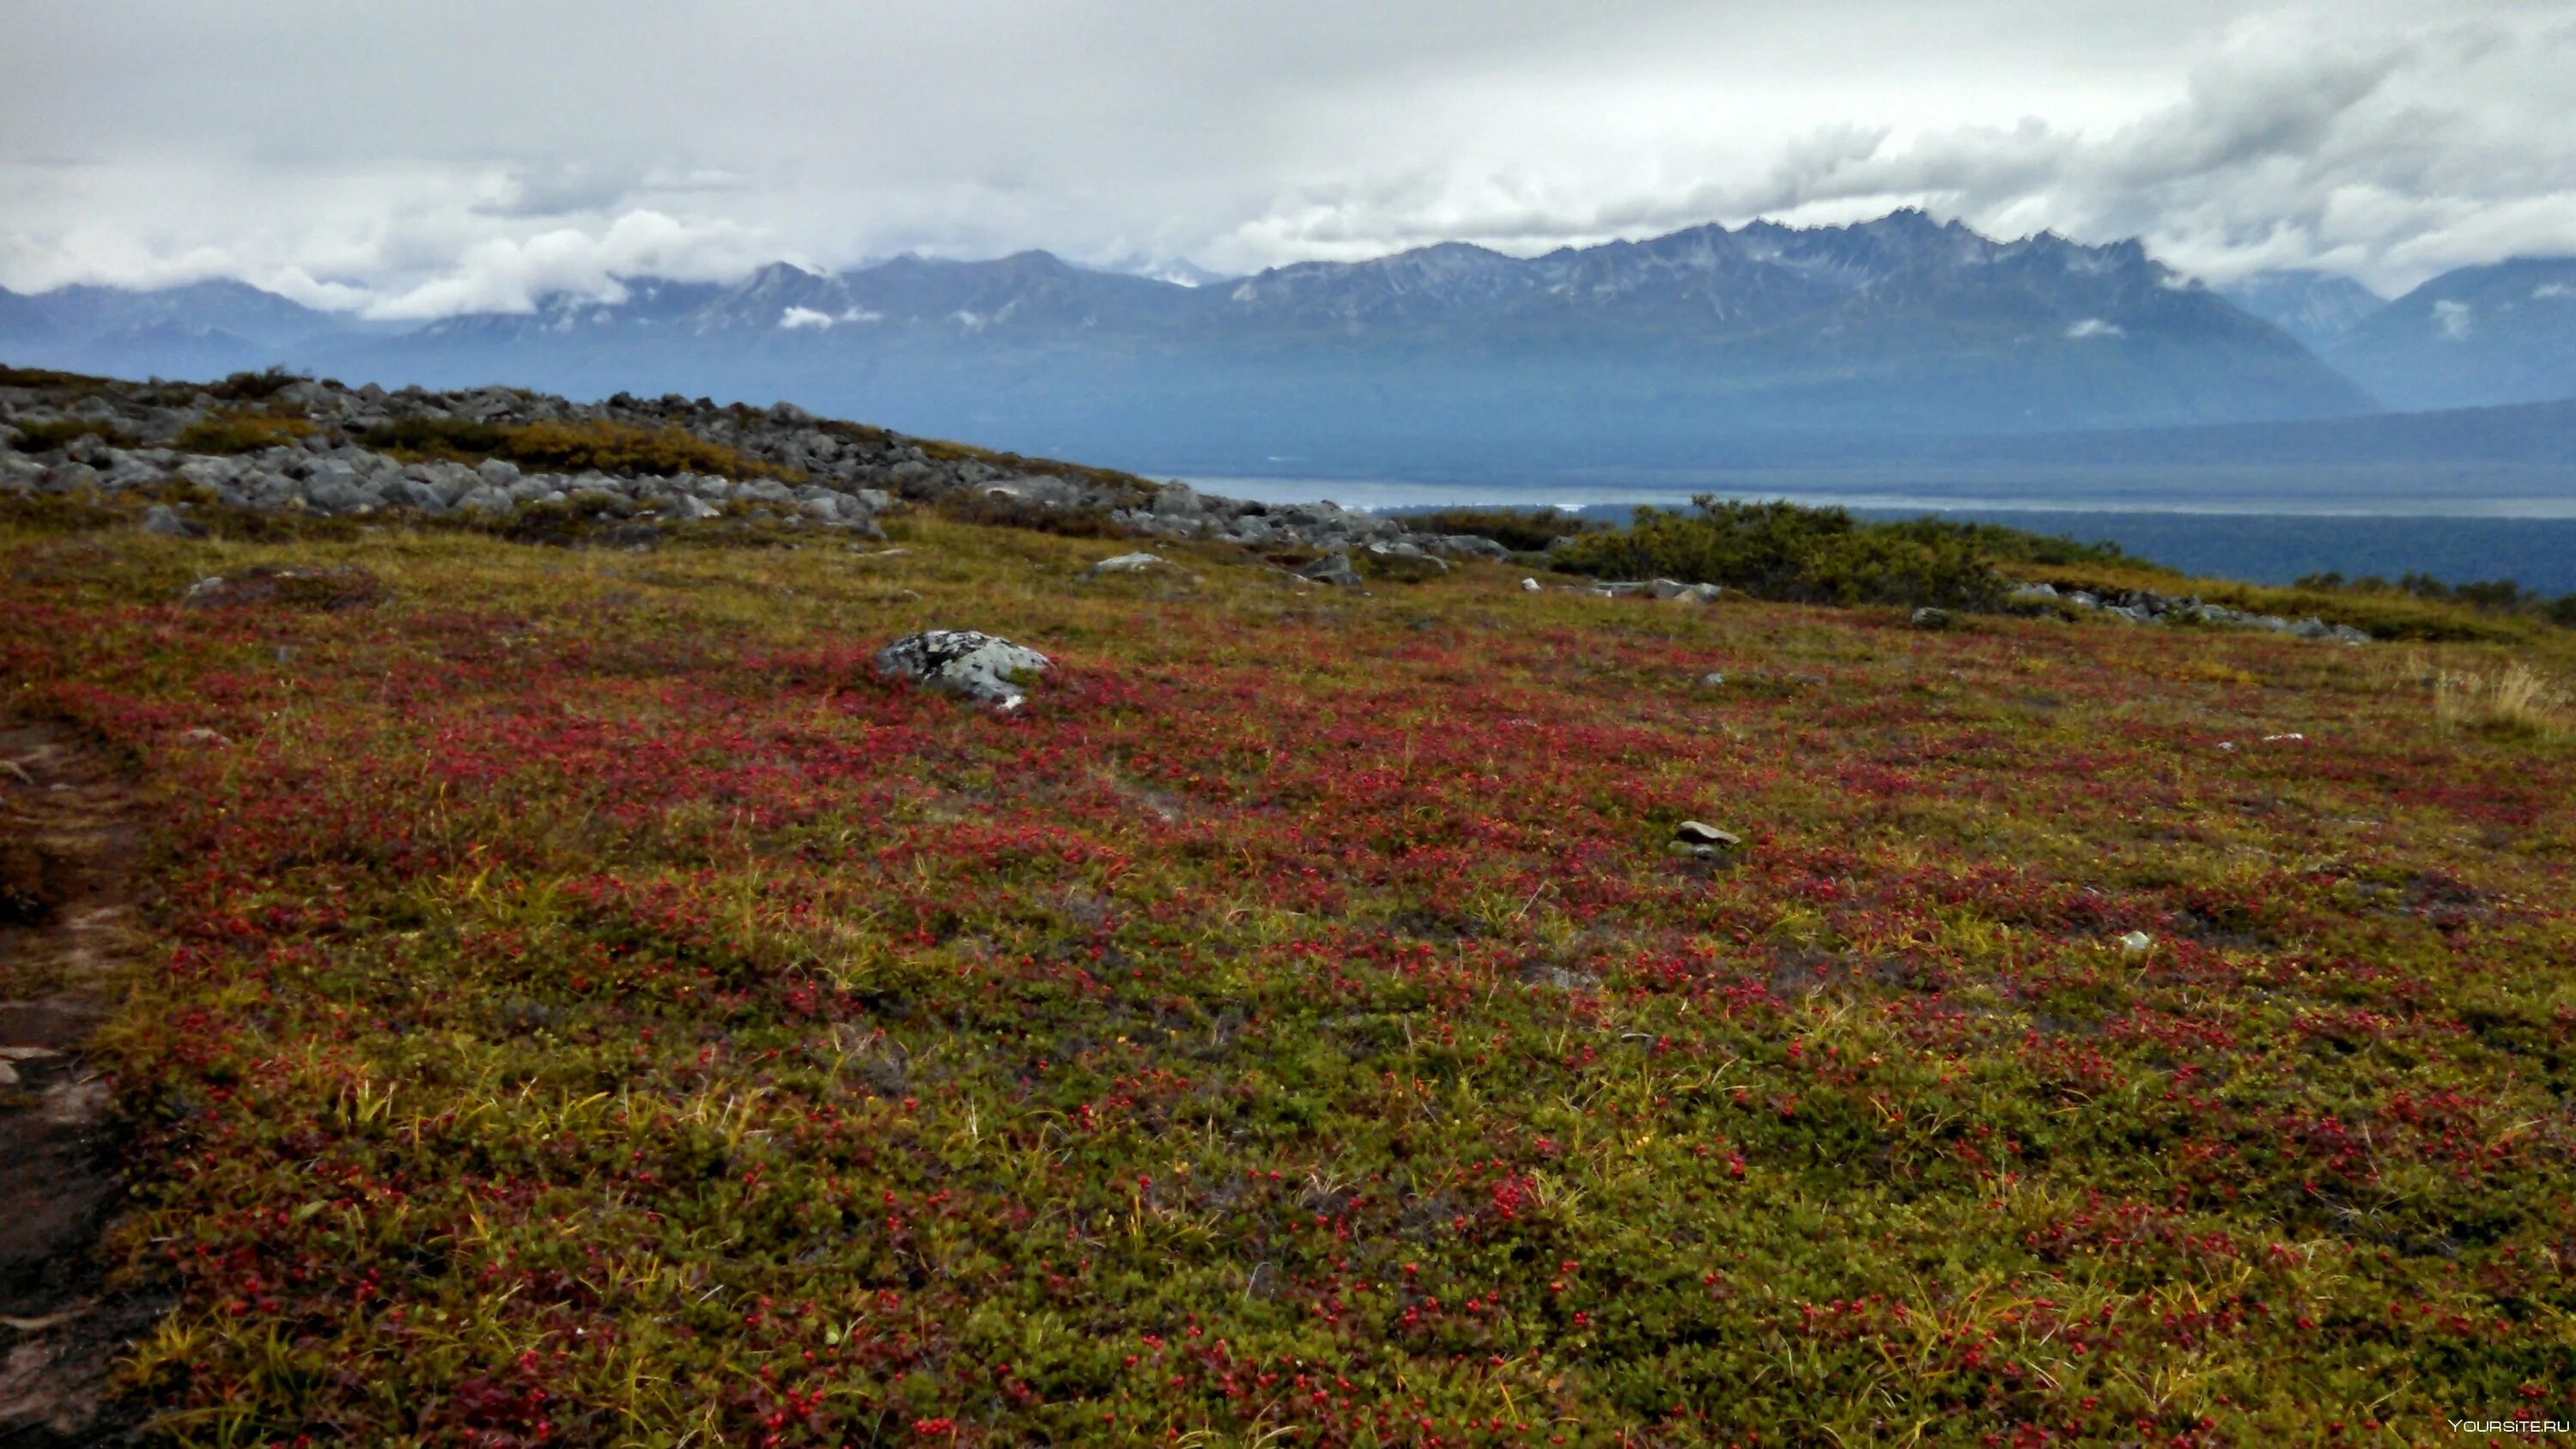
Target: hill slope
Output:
{"points": [[2480, 335], [2318, 308], [585, 1002]]}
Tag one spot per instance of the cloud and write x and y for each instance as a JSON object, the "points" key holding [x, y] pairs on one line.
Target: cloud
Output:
{"points": [[559, 189], [801, 318], [2387, 139], [2096, 327], [2455, 319], [2547, 290], [509, 275]]}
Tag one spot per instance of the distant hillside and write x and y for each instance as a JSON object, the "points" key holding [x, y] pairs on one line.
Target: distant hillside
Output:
{"points": [[2480, 335], [1449, 356]]}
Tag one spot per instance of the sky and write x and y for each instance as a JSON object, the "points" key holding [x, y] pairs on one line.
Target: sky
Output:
{"points": [[439, 156]]}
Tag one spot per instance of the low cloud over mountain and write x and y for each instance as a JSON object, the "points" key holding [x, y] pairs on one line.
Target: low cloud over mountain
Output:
{"points": [[1446, 356]]}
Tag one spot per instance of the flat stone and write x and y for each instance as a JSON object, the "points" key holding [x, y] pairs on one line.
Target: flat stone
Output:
{"points": [[1131, 563], [1693, 832]]}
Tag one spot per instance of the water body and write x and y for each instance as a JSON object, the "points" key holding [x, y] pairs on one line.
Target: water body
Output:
{"points": [[2456, 536]]}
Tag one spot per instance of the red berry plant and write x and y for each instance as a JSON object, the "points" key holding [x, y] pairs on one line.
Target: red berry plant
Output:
{"points": [[582, 1003]]}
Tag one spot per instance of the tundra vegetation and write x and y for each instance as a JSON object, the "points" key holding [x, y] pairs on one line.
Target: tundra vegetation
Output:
{"points": [[583, 1002]]}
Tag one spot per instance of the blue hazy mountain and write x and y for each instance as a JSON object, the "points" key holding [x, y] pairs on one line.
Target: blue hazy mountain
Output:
{"points": [[2318, 308], [198, 330], [1448, 356], [2502, 333], [1661, 352]]}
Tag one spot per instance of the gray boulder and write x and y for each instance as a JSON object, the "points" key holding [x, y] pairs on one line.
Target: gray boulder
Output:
{"points": [[979, 666], [1402, 561], [1931, 618], [211, 472], [165, 521], [1334, 569], [336, 492]]}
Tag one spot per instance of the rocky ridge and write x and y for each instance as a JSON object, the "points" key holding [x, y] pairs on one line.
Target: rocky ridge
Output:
{"points": [[2145, 606], [67, 437]]}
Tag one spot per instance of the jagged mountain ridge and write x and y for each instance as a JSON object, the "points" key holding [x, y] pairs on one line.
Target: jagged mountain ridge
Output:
{"points": [[1450, 355]]}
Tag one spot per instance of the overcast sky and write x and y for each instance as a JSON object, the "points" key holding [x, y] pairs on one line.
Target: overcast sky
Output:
{"points": [[413, 159]]}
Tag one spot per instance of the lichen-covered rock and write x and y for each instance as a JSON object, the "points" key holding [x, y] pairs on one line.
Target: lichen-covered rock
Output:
{"points": [[979, 666], [1130, 563]]}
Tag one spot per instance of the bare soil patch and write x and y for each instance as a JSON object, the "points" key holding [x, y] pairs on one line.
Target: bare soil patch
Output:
{"points": [[67, 846]]}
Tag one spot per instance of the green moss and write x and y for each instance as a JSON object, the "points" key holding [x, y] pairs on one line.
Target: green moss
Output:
{"points": [[569, 447]]}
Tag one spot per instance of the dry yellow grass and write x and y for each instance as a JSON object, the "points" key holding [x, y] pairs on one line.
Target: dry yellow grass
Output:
{"points": [[2517, 697]]}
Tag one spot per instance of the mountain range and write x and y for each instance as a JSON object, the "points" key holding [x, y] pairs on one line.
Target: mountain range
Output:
{"points": [[1449, 358]]}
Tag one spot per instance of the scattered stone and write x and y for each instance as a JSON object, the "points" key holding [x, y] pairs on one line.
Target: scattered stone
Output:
{"points": [[979, 666], [163, 520], [1529, 586], [1402, 562], [2136, 943], [848, 478], [1332, 568], [1702, 839], [2145, 606], [1673, 590], [1931, 618], [200, 735], [340, 588], [1712, 680], [1130, 563]]}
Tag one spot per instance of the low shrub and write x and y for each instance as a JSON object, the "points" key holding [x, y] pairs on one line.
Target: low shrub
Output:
{"points": [[257, 386], [1130, 490], [46, 437], [48, 377], [1522, 530], [993, 511], [242, 432], [1805, 555], [2487, 596], [568, 447]]}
